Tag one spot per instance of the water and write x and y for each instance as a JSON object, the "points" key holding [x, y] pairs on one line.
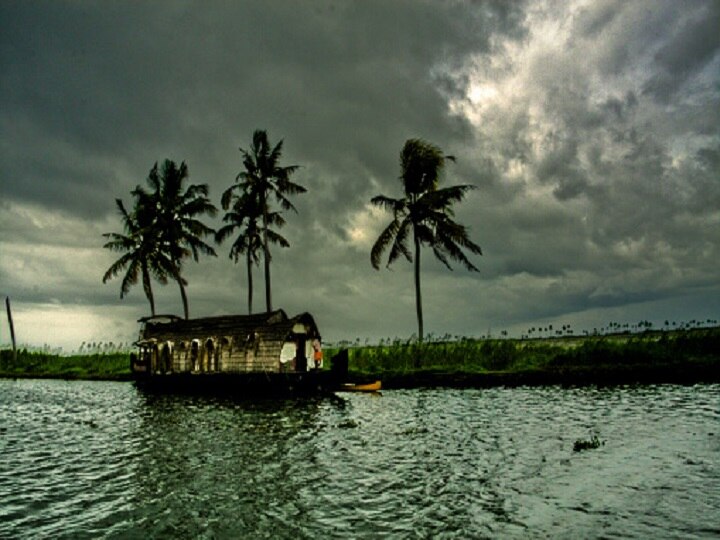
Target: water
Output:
{"points": [[105, 460]]}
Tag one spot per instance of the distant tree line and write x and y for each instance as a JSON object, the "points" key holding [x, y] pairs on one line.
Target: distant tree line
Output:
{"points": [[613, 327], [162, 228]]}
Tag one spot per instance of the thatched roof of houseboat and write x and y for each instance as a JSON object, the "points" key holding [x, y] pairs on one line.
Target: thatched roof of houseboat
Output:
{"points": [[275, 325]]}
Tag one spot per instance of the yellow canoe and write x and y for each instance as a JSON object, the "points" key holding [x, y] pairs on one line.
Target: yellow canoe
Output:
{"points": [[367, 387]]}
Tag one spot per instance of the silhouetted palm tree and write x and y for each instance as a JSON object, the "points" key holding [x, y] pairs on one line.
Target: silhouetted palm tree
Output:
{"points": [[244, 217], [426, 212], [141, 258], [263, 179], [174, 212]]}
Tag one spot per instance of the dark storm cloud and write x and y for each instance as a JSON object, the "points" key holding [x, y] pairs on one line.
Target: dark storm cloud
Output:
{"points": [[623, 168], [690, 49], [592, 21], [340, 81], [592, 137]]}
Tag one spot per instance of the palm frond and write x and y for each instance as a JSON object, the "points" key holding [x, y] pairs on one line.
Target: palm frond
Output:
{"points": [[275, 219], [399, 246], [458, 234], [131, 277], [441, 256], [451, 244], [397, 206], [383, 241], [284, 202], [226, 231], [153, 179], [118, 242], [443, 198], [227, 196], [275, 238], [117, 267]]}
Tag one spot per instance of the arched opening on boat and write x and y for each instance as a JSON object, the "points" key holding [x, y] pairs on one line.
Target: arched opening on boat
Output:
{"points": [[252, 347], [209, 356], [182, 353], [155, 358], [223, 353], [166, 357], [195, 355]]}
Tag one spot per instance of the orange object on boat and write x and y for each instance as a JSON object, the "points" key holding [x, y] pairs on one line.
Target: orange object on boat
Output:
{"points": [[367, 387]]}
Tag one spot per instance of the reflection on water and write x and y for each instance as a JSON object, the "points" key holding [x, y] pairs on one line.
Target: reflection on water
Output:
{"points": [[94, 459]]}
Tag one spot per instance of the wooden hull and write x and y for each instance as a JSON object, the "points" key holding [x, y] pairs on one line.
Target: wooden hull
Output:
{"points": [[251, 384]]}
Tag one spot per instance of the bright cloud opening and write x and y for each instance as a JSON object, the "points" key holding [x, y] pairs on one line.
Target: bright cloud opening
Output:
{"points": [[364, 226]]}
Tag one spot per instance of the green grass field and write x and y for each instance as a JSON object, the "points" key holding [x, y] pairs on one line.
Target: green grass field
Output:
{"points": [[111, 366], [674, 352], [587, 354]]}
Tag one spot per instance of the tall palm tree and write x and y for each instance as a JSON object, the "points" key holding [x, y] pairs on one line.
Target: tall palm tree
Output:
{"points": [[141, 254], [264, 179], [426, 212], [174, 212], [244, 216]]}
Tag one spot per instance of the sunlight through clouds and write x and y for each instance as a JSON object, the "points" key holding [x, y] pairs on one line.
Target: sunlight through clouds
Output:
{"points": [[67, 326], [365, 225]]}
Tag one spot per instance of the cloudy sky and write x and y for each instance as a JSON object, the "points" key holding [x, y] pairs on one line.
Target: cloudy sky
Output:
{"points": [[590, 128]]}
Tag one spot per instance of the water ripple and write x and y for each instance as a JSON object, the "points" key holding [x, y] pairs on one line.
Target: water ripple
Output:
{"points": [[105, 460]]}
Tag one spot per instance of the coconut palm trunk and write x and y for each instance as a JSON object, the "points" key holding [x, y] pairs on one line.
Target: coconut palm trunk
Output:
{"points": [[147, 287], [268, 292], [12, 327], [266, 258], [418, 293], [250, 282], [183, 295]]}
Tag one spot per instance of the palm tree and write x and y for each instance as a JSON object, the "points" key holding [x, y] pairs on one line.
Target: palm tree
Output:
{"points": [[426, 211], [174, 211], [262, 179], [141, 258], [244, 216]]}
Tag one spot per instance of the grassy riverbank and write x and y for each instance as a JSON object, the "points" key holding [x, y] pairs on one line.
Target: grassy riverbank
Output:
{"points": [[111, 366], [683, 356], [669, 356]]}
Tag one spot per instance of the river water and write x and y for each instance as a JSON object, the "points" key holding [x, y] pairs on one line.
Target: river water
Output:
{"points": [[106, 460]]}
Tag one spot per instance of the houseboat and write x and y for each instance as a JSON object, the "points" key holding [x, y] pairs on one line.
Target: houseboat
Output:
{"points": [[267, 351]]}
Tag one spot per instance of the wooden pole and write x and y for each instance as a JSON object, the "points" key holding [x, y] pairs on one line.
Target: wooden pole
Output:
{"points": [[12, 328]]}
